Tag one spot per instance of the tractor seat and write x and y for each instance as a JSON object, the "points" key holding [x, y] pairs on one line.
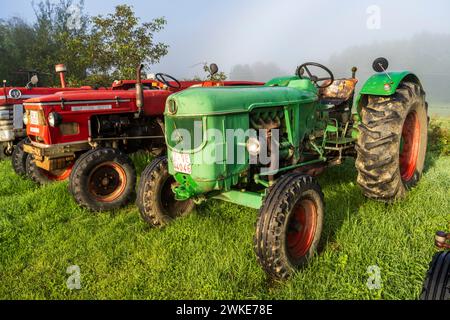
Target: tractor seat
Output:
{"points": [[340, 91]]}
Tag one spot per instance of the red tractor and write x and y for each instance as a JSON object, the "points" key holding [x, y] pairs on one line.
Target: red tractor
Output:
{"points": [[88, 136], [11, 108]]}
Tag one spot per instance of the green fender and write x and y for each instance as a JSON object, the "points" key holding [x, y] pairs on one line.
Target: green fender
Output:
{"points": [[381, 84]]}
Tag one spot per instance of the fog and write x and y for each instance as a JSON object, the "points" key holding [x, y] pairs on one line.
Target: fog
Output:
{"points": [[289, 32], [259, 39], [426, 54]]}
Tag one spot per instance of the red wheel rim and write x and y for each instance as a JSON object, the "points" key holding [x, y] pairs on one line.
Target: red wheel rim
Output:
{"points": [[107, 182], [302, 228], [58, 175], [409, 149]]}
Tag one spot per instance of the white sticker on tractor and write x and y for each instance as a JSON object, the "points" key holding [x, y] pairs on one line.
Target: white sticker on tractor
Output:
{"points": [[34, 117], [34, 130], [181, 163], [92, 108]]}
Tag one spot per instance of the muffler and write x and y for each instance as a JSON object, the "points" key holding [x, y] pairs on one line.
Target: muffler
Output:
{"points": [[139, 90]]}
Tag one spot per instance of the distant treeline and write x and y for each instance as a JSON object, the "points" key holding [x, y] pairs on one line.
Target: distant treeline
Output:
{"points": [[427, 55]]}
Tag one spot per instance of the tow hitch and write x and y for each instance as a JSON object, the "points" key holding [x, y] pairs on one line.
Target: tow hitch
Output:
{"points": [[442, 239]]}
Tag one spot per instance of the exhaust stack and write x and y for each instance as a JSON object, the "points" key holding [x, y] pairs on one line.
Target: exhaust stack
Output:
{"points": [[354, 70], [61, 69], [139, 89]]}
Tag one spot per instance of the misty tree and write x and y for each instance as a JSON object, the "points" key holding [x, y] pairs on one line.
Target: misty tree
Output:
{"points": [[119, 42], [258, 71], [16, 41], [96, 50], [60, 39], [219, 76], [426, 54]]}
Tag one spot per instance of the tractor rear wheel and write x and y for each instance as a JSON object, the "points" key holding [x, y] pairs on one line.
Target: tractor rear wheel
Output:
{"points": [[43, 177], [19, 158], [290, 225], [437, 283], [392, 144], [156, 200], [103, 179]]}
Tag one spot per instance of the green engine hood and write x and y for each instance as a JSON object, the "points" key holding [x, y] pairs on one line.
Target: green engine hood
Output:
{"points": [[226, 100]]}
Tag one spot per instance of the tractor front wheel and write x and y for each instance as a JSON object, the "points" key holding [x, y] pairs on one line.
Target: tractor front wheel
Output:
{"points": [[437, 283], [19, 158], [103, 179], [290, 224], [392, 144], [43, 177], [156, 200]]}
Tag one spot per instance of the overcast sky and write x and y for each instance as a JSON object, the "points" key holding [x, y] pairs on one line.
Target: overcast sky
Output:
{"points": [[286, 32]]}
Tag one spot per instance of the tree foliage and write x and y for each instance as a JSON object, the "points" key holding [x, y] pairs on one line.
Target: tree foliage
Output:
{"points": [[16, 44], [119, 43], [96, 50], [57, 41]]}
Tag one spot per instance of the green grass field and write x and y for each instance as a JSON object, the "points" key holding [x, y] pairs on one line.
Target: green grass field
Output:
{"points": [[209, 254]]}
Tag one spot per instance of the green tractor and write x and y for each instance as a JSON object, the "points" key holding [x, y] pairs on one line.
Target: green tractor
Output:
{"points": [[261, 147]]}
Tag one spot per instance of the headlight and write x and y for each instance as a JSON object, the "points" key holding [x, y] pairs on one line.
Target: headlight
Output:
{"points": [[25, 119], [253, 146], [54, 119]]}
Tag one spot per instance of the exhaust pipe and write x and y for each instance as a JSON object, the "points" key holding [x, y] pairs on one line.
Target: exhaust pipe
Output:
{"points": [[139, 89], [354, 70], [4, 92], [61, 69]]}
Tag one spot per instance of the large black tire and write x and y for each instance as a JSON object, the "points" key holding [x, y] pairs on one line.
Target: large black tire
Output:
{"points": [[155, 200], [393, 143], [19, 159], [290, 225], [42, 177], [75, 165], [437, 283], [103, 179]]}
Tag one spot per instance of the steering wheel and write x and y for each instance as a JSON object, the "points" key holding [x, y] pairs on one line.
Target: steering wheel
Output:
{"points": [[304, 67], [164, 78]]}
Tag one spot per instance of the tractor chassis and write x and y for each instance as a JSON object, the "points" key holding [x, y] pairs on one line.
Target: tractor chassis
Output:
{"points": [[55, 157]]}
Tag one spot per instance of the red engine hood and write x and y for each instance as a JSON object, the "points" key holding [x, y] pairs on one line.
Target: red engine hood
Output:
{"points": [[82, 96], [17, 95]]}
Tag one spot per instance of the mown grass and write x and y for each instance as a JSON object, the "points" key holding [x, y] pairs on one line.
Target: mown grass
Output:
{"points": [[209, 254]]}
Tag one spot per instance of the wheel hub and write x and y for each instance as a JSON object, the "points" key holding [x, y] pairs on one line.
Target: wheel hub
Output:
{"points": [[302, 228], [409, 149], [107, 182]]}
